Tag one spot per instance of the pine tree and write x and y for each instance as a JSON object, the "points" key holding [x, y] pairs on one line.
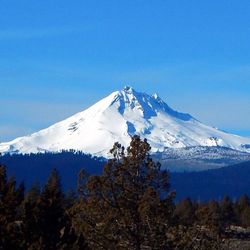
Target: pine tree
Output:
{"points": [[245, 217], [242, 203], [129, 206], [242, 207], [185, 212], [46, 223], [31, 228], [228, 215], [11, 198], [209, 214], [51, 212]]}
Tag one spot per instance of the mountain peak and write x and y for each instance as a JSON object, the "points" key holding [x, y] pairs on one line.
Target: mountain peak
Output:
{"points": [[128, 89], [117, 117], [156, 96], [142, 97]]}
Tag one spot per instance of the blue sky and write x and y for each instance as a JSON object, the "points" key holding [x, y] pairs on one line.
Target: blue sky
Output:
{"points": [[59, 57]]}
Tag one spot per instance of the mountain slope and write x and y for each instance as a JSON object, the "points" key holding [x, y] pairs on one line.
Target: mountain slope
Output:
{"points": [[200, 158], [117, 117]]}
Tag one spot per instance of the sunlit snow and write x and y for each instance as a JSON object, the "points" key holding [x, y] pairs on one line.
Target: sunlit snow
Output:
{"points": [[119, 116]]}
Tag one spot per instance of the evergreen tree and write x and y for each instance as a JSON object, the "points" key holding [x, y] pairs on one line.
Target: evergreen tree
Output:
{"points": [[46, 224], [69, 199], [51, 212], [129, 206], [242, 203], [209, 214], [245, 217], [241, 207], [31, 217], [228, 215], [185, 212], [11, 198]]}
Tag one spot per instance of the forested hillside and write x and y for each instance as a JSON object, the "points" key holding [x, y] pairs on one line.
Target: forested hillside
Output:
{"points": [[212, 184]]}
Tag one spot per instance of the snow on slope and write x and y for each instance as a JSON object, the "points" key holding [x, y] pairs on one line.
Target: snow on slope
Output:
{"points": [[117, 117], [200, 158]]}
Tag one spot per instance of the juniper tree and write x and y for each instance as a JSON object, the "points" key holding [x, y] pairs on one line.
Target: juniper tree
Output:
{"points": [[129, 206]]}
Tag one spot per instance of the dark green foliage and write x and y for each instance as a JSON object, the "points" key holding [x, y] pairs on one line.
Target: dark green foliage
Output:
{"points": [[30, 218], [51, 212], [11, 197], [37, 221], [46, 222]]}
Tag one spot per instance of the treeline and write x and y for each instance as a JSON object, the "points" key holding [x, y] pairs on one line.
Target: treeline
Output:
{"points": [[214, 183], [32, 168], [129, 206], [204, 186]]}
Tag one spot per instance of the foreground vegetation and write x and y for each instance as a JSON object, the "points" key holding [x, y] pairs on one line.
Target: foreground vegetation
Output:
{"points": [[129, 206]]}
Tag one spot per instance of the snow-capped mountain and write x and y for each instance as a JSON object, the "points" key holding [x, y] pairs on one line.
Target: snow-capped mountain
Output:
{"points": [[117, 117]]}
